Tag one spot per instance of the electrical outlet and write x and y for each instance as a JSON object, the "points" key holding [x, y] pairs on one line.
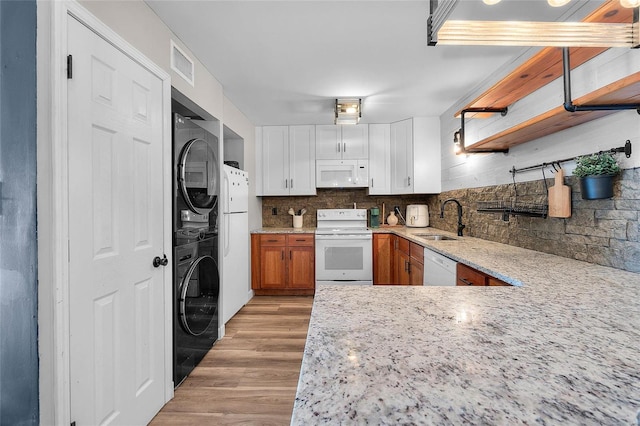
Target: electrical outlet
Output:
{"points": [[274, 211]]}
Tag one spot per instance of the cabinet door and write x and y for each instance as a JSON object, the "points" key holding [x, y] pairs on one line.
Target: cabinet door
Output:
{"points": [[275, 160], [426, 156], [301, 268], [328, 142], [416, 272], [401, 268], [379, 159], [402, 157], [382, 259], [355, 142], [272, 267], [416, 269], [302, 160]]}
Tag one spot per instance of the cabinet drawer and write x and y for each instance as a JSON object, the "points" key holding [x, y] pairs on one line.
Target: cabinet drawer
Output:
{"points": [[469, 276], [300, 240], [496, 282], [402, 245], [273, 240], [416, 251]]}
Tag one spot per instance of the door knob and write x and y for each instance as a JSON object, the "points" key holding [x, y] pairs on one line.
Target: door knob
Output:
{"points": [[157, 261]]}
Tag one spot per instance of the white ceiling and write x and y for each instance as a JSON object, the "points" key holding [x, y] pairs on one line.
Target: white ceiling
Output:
{"points": [[284, 62]]}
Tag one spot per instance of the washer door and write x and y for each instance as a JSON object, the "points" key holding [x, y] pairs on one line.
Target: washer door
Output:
{"points": [[199, 291], [198, 176]]}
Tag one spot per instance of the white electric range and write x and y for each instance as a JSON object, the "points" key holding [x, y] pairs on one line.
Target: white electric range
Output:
{"points": [[343, 247]]}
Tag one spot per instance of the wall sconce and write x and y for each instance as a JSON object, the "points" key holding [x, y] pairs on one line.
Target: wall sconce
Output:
{"points": [[348, 111], [457, 146]]}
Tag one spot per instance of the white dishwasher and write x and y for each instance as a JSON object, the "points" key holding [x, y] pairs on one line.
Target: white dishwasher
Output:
{"points": [[438, 269]]}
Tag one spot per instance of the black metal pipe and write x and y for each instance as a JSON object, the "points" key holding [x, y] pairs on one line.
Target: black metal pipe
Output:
{"points": [[568, 102]]}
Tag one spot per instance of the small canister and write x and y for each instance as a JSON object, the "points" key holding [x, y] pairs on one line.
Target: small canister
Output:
{"points": [[297, 221], [374, 221]]}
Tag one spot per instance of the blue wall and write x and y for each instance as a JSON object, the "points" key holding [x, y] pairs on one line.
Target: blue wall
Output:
{"points": [[18, 246]]}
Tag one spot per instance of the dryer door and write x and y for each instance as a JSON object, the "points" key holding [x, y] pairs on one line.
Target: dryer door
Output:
{"points": [[198, 176], [199, 290]]}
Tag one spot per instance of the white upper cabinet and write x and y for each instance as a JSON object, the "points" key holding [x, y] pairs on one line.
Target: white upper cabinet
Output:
{"points": [[302, 160], [415, 156], [275, 160], [379, 159], [347, 142], [288, 160], [355, 142]]}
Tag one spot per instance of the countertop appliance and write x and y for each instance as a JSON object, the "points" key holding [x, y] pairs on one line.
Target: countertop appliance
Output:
{"points": [[438, 269], [196, 280], [343, 247], [417, 216], [235, 236]]}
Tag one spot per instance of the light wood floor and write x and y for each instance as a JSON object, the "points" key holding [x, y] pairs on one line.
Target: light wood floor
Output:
{"points": [[250, 375]]}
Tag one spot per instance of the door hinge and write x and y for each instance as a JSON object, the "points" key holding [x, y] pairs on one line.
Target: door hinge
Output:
{"points": [[69, 67]]}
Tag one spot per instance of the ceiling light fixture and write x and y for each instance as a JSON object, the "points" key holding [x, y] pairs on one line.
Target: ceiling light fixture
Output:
{"points": [[348, 111], [523, 33], [491, 2]]}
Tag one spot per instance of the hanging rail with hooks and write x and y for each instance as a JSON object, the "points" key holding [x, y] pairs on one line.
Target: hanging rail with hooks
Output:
{"points": [[626, 149]]}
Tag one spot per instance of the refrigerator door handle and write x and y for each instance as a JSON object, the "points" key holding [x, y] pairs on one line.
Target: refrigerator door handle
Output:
{"points": [[227, 231], [226, 203]]}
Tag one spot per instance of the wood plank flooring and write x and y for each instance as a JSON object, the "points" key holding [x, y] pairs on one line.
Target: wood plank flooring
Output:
{"points": [[250, 376]]}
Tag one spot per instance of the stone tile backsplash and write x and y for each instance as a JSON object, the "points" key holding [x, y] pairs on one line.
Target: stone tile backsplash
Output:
{"points": [[605, 232], [330, 199]]}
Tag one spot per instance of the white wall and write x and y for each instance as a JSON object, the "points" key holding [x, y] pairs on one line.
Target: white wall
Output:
{"points": [[140, 26], [236, 121], [477, 170]]}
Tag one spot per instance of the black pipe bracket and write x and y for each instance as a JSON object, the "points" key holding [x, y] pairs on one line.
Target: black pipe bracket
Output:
{"points": [[463, 150], [568, 103]]}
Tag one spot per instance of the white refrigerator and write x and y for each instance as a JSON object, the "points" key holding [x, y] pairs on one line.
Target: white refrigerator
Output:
{"points": [[235, 287]]}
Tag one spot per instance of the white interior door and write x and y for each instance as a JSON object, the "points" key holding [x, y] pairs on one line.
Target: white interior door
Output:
{"points": [[116, 295]]}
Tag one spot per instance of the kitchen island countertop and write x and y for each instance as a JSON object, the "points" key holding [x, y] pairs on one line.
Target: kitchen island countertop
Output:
{"points": [[560, 347]]}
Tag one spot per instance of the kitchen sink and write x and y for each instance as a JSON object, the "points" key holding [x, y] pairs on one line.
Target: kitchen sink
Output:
{"points": [[434, 237]]}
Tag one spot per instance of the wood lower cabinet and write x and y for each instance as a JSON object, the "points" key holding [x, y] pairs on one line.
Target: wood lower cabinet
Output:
{"points": [[401, 268], [416, 264], [470, 276], [283, 264], [396, 261], [382, 259]]}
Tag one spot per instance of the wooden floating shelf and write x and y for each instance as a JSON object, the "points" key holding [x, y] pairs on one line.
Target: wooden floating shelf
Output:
{"points": [[624, 91], [543, 68]]}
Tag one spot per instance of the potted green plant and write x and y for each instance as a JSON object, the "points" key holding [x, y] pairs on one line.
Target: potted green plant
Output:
{"points": [[596, 173]]}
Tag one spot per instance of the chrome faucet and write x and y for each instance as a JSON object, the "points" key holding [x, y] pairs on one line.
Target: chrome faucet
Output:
{"points": [[460, 225]]}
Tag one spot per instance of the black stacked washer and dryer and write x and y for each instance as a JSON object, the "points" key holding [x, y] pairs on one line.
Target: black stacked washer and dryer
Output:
{"points": [[195, 240]]}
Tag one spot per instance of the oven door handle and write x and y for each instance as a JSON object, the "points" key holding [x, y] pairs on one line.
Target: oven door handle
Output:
{"points": [[343, 237]]}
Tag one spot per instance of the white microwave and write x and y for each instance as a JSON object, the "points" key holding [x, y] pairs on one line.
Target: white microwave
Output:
{"points": [[342, 173]]}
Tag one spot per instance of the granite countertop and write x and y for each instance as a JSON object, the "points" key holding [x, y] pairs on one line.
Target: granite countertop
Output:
{"points": [[560, 347], [284, 231]]}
